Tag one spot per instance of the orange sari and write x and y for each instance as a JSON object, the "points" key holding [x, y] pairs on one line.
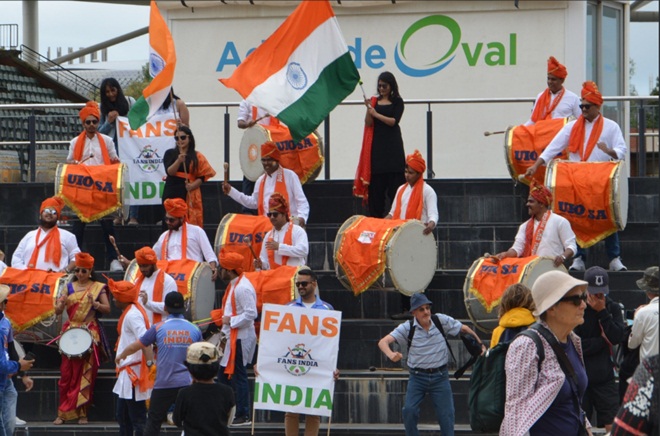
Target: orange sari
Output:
{"points": [[202, 171]]}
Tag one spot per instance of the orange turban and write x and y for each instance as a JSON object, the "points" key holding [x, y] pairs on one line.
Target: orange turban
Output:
{"points": [[269, 149], [123, 291], [84, 260], [591, 94], [55, 202], [146, 256], [231, 261], [556, 69], [416, 161], [540, 193], [91, 108], [277, 203], [176, 207]]}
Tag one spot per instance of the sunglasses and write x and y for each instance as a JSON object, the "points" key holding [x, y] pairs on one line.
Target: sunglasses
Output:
{"points": [[81, 270], [575, 299], [50, 210], [90, 122], [273, 214], [181, 137], [303, 284], [383, 85], [585, 106], [170, 219]]}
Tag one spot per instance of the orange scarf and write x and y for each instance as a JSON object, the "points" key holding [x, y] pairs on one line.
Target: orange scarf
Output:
{"points": [[576, 140], [184, 243], [415, 201], [532, 238], [233, 334], [280, 186], [363, 173], [158, 291], [288, 240], [543, 109], [80, 147], [53, 248]]}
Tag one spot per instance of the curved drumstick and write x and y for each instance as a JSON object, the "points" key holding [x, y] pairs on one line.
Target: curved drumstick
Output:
{"points": [[226, 165], [249, 244], [499, 132], [112, 241], [91, 155]]}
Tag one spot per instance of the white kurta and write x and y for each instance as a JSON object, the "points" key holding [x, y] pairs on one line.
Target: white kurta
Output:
{"points": [[93, 146], [26, 247], [298, 205], [169, 285], [568, 106], [644, 332], [131, 330], [557, 237], [429, 206], [198, 246], [246, 313], [611, 135], [297, 252]]}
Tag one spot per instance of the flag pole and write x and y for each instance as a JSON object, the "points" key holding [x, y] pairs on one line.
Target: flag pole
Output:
{"points": [[329, 424], [173, 102]]}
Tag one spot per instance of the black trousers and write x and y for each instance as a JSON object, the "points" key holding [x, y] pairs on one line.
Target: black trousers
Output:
{"points": [[78, 229], [161, 400], [381, 189]]}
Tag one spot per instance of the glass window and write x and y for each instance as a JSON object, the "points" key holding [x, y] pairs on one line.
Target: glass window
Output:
{"points": [[592, 49], [610, 78]]}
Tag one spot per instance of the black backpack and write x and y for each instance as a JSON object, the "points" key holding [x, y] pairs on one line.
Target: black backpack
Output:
{"points": [[488, 385]]}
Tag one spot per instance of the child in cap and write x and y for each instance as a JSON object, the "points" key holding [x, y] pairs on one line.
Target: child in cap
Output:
{"points": [[204, 408]]}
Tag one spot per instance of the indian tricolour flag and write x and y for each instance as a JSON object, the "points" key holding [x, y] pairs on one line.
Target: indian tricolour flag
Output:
{"points": [[301, 72], [162, 60]]}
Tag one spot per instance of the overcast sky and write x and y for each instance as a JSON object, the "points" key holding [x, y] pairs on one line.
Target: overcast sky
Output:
{"points": [[63, 24]]}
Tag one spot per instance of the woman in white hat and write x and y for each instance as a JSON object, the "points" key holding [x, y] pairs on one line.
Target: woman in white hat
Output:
{"points": [[546, 399]]}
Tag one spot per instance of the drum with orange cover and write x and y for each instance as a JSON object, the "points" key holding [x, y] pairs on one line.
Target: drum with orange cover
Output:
{"points": [[243, 234], [276, 286]]}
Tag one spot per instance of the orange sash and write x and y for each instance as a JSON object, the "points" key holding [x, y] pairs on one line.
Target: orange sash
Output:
{"points": [[80, 147], [582, 193], [415, 201], [303, 158], [33, 295], [241, 229], [543, 109], [363, 172], [524, 144], [362, 250], [280, 186], [53, 248], [576, 140], [157, 294], [491, 278], [91, 191], [533, 238], [288, 240], [233, 332], [143, 382], [184, 242], [182, 271]]}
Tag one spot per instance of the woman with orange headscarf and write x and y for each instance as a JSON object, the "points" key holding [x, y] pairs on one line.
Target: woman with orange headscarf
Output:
{"points": [[84, 299]]}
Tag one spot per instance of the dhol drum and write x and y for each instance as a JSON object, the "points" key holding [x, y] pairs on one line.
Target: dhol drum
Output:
{"points": [[487, 279], [92, 192], [374, 253], [524, 144], [242, 234], [194, 282], [75, 342], [592, 196], [305, 158]]}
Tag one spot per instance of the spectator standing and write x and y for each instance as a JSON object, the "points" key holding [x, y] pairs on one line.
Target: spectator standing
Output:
{"points": [[644, 334]]}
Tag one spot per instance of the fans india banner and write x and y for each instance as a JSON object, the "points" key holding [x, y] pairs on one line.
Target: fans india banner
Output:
{"points": [[298, 350], [142, 151]]}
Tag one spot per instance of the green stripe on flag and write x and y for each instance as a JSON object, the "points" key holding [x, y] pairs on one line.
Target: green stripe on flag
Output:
{"points": [[334, 84], [137, 116]]}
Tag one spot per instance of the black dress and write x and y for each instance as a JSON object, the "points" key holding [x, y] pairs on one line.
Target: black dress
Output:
{"points": [[175, 187]]}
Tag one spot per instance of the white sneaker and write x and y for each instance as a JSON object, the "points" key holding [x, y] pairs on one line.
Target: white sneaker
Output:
{"points": [[170, 418], [577, 265], [19, 421], [116, 266], [616, 265]]}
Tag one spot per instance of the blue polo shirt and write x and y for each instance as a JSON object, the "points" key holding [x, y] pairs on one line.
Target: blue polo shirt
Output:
{"points": [[318, 304], [6, 336], [172, 337]]}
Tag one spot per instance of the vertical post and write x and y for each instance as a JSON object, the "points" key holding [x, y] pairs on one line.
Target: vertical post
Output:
{"points": [[32, 150], [429, 143], [227, 134], [326, 147], [641, 140]]}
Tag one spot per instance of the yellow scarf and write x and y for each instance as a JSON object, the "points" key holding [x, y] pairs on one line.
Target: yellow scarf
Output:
{"points": [[516, 317]]}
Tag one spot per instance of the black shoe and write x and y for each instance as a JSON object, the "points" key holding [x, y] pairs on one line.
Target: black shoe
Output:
{"points": [[401, 316], [241, 421]]}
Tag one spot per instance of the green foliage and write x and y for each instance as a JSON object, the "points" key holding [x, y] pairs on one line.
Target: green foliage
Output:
{"points": [[135, 88]]}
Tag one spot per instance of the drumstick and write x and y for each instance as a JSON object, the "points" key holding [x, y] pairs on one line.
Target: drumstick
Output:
{"points": [[494, 133], [226, 172], [112, 241], [249, 244], [373, 368], [91, 155], [261, 118]]}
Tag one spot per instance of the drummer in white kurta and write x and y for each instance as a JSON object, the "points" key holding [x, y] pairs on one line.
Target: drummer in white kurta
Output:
{"points": [[48, 248], [419, 191], [153, 283], [556, 101], [551, 234], [183, 240], [276, 179], [286, 243]]}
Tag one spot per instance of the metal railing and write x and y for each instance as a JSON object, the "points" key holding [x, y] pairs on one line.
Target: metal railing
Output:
{"points": [[8, 36], [644, 157]]}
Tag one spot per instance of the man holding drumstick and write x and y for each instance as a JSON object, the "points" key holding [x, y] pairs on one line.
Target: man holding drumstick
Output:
{"points": [[590, 138]]}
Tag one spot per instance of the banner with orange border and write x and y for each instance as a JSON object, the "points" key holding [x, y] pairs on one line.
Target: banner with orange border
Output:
{"points": [[303, 158], [182, 271], [243, 234]]}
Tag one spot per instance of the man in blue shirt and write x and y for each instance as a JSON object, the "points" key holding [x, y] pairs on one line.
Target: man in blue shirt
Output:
{"points": [[172, 338], [427, 363]]}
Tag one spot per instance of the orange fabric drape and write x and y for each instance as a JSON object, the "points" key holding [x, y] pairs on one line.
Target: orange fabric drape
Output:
{"points": [[53, 247], [543, 109], [288, 240], [80, 147], [157, 291], [182, 271], [303, 158], [490, 278], [363, 172], [576, 140], [237, 230], [415, 202], [202, 171], [91, 191], [280, 186]]}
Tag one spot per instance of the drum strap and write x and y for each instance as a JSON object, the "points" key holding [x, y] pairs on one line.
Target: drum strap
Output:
{"points": [[53, 248], [184, 243]]}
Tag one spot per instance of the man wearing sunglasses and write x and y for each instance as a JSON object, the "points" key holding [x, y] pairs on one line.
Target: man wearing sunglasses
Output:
{"points": [[590, 138], [48, 247], [603, 329], [286, 243], [94, 148]]}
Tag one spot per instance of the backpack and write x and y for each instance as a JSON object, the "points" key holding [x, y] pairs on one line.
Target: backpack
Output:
{"points": [[488, 385]]}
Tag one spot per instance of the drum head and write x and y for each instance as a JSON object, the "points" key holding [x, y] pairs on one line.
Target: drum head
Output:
{"points": [[620, 195], [202, 295], [75, 342], [317, 171], [339, 271], [250, 151], [412, 258]]}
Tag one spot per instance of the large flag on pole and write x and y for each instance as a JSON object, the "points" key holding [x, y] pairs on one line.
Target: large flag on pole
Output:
{"points": [[162, 60], [301, 72]]}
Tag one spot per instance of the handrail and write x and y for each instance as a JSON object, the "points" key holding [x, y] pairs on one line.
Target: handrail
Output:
{"points": [[8, 36]]}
